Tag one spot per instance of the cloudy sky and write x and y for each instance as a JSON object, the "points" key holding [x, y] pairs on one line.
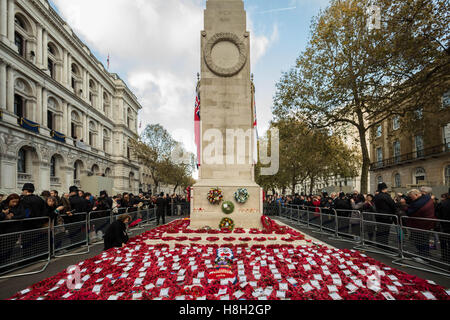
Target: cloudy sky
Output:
{"points": [[154, 46]]}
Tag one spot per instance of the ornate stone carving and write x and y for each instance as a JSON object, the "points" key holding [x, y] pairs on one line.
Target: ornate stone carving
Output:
{"points": [[225, 37]]}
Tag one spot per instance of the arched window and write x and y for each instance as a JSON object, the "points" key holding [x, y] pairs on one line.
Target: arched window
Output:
{"points": [[92, 134], [397, 180], [129, 118], [131, 180], [108, 172], [74, 125], [420, 175], [20, 43], [95, 169], [22, 161], [53, 167], [106, 141], [19, 106], [379, 179], [447, 176]]}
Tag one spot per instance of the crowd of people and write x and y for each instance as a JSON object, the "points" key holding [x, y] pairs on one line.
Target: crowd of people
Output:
{"points": [[417, 210], [29, 211], [51, 204]]}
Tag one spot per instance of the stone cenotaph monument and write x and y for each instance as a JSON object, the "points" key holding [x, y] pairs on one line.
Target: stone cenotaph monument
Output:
{"points": [[227, 116]]}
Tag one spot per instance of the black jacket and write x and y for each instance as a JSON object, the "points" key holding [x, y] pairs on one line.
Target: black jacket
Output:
{"points": [[342, 204], [161, 204], [115, 235], [77, 205], [384, 204], [443, 213], [34, 206]]}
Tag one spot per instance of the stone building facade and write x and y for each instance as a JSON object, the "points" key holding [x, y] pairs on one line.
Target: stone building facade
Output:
{"points": [[411, 158], [62, 114]]}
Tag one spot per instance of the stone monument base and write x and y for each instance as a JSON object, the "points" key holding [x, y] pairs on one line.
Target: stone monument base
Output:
{"points": [[247, 215]]}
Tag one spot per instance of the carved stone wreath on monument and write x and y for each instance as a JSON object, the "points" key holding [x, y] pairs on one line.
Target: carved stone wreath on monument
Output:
{"points": [[225, 54]]}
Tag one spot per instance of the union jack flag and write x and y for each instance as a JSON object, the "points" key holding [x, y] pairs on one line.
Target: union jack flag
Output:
{"points": [[197, 119]]}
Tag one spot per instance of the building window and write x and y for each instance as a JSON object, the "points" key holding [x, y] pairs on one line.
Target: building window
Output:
{"points": [[397, 151], [75, 171], [447, 176], [19, 42], [50, 120], [396, 123], [446, 99], [18, 106], [447, 137], [21, 161], [73, 130], [53, 167], [379, 155], [379, 131], [418, 140], [73, 83], [397, 180], [51, 68], [420, 175], [379, 179], [419, 114]]}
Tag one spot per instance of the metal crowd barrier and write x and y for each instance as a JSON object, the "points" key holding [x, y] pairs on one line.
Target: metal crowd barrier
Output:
{"points": [[381, 233], [99, 221], [180, 208], [421, 240], [23, 241], [73, 233]]}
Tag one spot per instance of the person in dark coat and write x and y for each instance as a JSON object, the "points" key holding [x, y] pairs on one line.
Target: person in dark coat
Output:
{"points": [[385, 205], [10, 210], [422, 206], [116, 235], [343, 208], [77, 205], [34, 207], [161, 209]]}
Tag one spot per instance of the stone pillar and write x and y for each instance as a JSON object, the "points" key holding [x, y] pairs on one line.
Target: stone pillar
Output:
{"points": [[64, 74], [68, 120], [100, 98], [64, 121], [10, 90], [2, 85], [84, 131], [37, 113], [4, 21], [100, 137], [45, 50], [39, 46], [45, 108], [11, 8], [69, 70]]}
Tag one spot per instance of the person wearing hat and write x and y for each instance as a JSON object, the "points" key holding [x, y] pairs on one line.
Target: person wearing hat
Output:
{"points": [[161, 209], [385, 205], [33, 205]]}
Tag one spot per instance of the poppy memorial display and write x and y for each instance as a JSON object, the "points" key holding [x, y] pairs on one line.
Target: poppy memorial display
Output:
{"points": [[180, 269]]}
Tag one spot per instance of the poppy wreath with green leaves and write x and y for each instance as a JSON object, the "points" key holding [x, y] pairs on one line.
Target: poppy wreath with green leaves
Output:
{"points": [[215, 196], [228, 207], [226, 223]]}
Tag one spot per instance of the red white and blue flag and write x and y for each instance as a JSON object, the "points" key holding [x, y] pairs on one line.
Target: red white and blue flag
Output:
{"points": [[198, 129], [255, 134]]}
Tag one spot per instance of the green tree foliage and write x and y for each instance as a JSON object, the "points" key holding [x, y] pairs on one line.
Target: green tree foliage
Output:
{"points": [[308, 154], [157, 150], [351, 76]]}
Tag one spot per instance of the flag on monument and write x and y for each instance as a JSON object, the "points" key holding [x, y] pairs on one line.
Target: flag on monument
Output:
{"points": [[255, 135], [197, 129], [108, 61]]}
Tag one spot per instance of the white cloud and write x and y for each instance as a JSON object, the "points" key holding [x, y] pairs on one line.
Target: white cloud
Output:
{"points": [[155, 45]]}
